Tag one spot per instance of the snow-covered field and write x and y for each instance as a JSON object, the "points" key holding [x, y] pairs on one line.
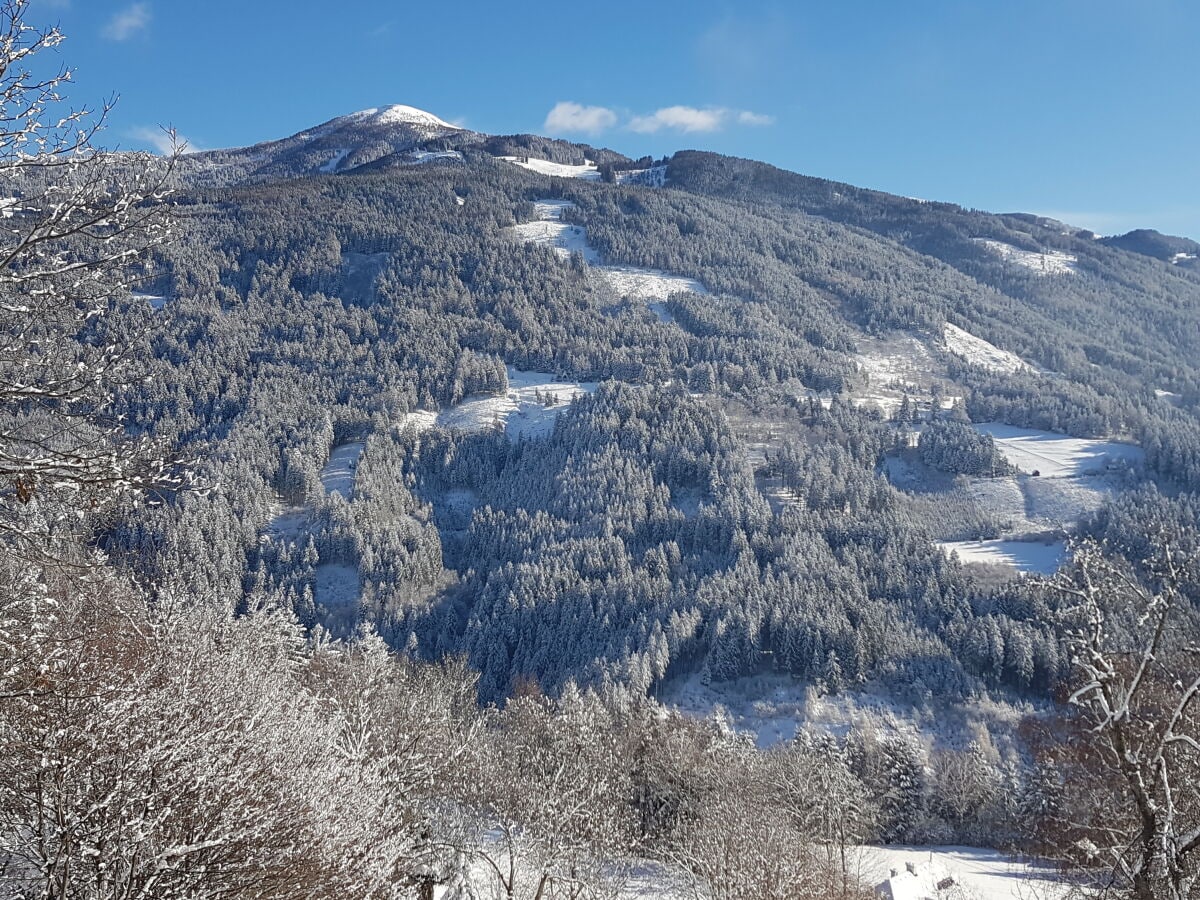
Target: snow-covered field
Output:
{"points": [[1047, 262], [1024, 556], [979, 352], [1057, 455], [651, 286], [983, 874], [587, 171], [337, 476], [528, 409]]}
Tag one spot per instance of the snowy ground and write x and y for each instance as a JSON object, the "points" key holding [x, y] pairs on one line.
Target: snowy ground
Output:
{"points": [[773, 707], [655, 176], [337, 585], [424, 156], [984, 874], [650, 286], [1024, 556], [338, 475], [1048, 262], [333, 164], [528, 409], [896, 365], [979, 352], [588, 171], [156, 301], [1058, 455]]}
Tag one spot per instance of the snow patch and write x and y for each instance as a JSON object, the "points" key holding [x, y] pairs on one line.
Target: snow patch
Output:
{"points": [[338, 475], [979, 352], [655, 176], [1181, 257], [336, 585], [333, 164], [1024, 556], [156, 301], [527, 409], [1168, 396], [648, 285], [588, 171], [1046, 262], [424, 156]]}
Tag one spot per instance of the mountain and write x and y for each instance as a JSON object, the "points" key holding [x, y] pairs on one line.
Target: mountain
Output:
{"points": [[339, 144], [1179, 251], [377, 140]]}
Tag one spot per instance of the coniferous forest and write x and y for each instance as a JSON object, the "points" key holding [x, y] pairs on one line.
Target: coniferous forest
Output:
{"points": [[352, 545]]}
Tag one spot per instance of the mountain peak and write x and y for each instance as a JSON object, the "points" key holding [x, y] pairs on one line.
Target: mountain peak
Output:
{"points": [[398, 114]]}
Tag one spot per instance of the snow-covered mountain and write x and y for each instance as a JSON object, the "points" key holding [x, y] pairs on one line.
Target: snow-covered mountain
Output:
{"points": [[341, 144]]}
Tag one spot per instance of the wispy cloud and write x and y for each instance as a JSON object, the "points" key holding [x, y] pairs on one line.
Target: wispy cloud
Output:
{"points": [[689, 119], [160, 139], [567, 116], [757, 120], [128, 22], [380, 31]]}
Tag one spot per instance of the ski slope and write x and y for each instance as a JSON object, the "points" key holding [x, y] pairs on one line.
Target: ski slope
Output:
{"points": [[337, 477]]}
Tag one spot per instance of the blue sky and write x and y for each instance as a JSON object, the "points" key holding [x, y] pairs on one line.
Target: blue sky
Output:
{"points": [[1087, 110]]}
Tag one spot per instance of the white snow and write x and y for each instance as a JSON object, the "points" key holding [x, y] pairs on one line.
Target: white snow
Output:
{"points": [[1024, 556], [588, 171], [895, 365], [650, 285], [420, 420], [338, 475], [979, 352], [1181, 257], [333, 164], [655, 176], [527, 409], [398, 114], [1168, 396], [984, 874], [564, 239], [1047, 262], [156, 301], [336, 585], [1058, 455], [424, 156]]}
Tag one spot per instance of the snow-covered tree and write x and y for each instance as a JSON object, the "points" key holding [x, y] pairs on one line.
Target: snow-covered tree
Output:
{"points": [[1134, 637]]}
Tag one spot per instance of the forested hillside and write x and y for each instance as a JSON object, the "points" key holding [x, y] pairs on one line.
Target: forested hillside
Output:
{"points": [[405, 499]]}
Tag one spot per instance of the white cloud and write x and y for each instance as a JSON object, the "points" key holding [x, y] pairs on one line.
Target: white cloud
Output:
{"points": [[689, 119], [128, 22], [160, 139], [745, 117], [569, 116]]}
